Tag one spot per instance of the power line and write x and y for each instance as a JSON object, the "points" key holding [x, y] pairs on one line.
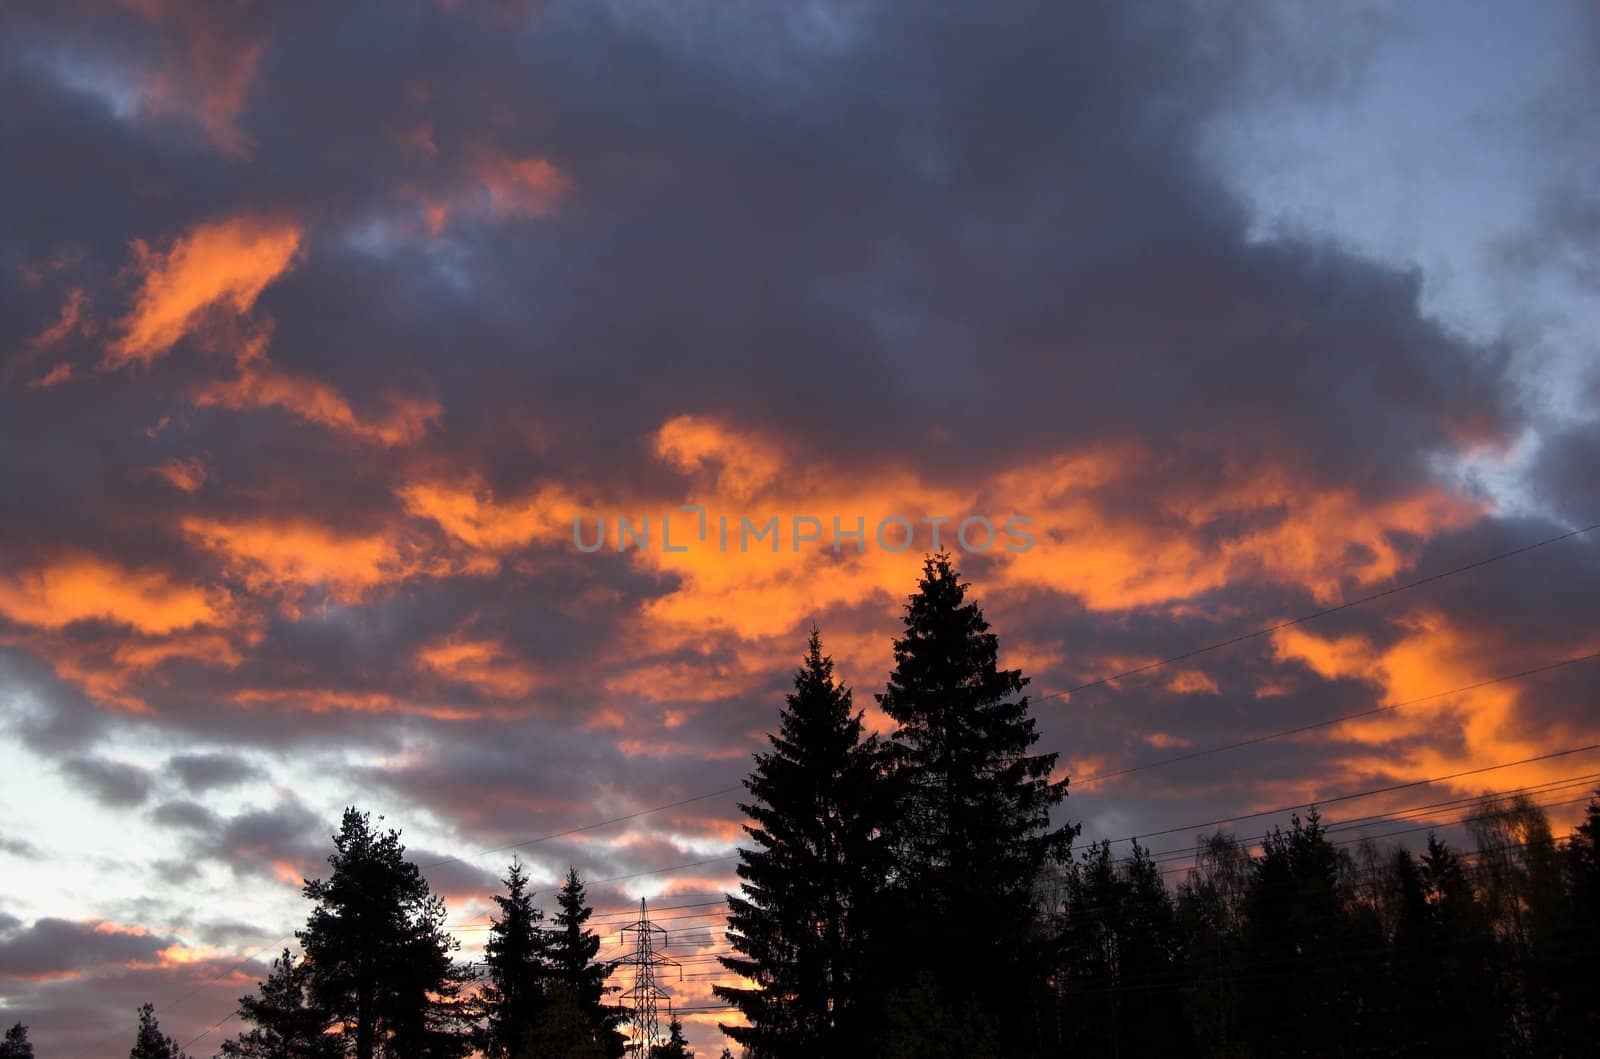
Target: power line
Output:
{"points": [[1365, 794]]}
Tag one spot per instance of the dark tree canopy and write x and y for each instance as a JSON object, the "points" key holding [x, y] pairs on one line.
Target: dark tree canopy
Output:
{"points": [[818, 861], [16, 1044], [517, 974], [572, 950], [676, 1046], [151, 1043], [1121, 958], [381, 960], [973, 825], [287, 1024]]}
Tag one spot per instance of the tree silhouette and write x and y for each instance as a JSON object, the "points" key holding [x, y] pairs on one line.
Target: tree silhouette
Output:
{"points": [[572, 950], [1576, 971], [566, 1029], [1444, 961], [972, 829], [151, 1043], [16, 1044], [517, 972], [380, 956], [1313, 961], [817, 862], [1121, 958], [1211, 920], [287, 1024], [677, 1046]]}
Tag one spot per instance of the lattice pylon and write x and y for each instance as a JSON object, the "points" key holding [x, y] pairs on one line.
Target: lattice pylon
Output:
{"points": [[644, 997]]}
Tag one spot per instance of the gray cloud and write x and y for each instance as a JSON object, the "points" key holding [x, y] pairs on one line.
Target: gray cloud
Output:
{"points": [[113, 783], [206, 772]]}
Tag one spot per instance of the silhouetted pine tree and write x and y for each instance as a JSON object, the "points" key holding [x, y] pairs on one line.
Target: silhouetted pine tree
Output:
{"points": [[677, 1046], [1311, 963], [972, 827], [287, 1024], [565, 1029], [517, 972], [151, 1042], [572, 950], [380, 956], [818, 859], [1444, 963], [16, 1044]]}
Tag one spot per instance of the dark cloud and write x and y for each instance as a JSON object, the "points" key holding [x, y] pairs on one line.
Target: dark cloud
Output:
{"points": [[935, 246], [112, 783], [207, 772], [19, 847], [190, 816], [59, 946]]}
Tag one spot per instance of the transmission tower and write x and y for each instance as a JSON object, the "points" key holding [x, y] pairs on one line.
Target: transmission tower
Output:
{"points": [[647, 993]]}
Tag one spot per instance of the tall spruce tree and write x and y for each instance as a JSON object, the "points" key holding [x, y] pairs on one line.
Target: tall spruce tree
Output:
{"points": [[288, 1025], [1313, 960], [1444, 963], [572, 950], [972, 828], [801, 930], [381, 962], [517, 972], [16, 1044], [151, 1043]]}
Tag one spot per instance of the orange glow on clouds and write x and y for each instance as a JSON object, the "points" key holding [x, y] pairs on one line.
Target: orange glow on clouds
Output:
{"points": [[259, 386], [224, 264], [288, 557], [485, 664], [82, 587]]}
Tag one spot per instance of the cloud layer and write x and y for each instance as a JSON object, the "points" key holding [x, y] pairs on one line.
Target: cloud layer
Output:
{"points": [[322, 329]]}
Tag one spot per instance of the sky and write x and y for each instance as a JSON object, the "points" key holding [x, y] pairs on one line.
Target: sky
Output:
{"points": [[318, 331]]}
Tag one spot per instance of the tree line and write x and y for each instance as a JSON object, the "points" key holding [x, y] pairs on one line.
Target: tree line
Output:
{"points": [[915, 896]]}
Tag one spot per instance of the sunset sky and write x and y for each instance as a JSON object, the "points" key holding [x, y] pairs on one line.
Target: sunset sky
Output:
{"points": [[318, 331]]}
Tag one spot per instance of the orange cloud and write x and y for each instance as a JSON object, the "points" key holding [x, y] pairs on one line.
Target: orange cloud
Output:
{"points": [[1463, 730], [290, 557], [51, 379], [1297, 533], [220, 265], [85, 587], [187, 474], [260, 385], [485, 664], [495, 183], [1192, 682], [70, 320], [745, 464], [109, 672], [519, 187], [472, 515]]}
